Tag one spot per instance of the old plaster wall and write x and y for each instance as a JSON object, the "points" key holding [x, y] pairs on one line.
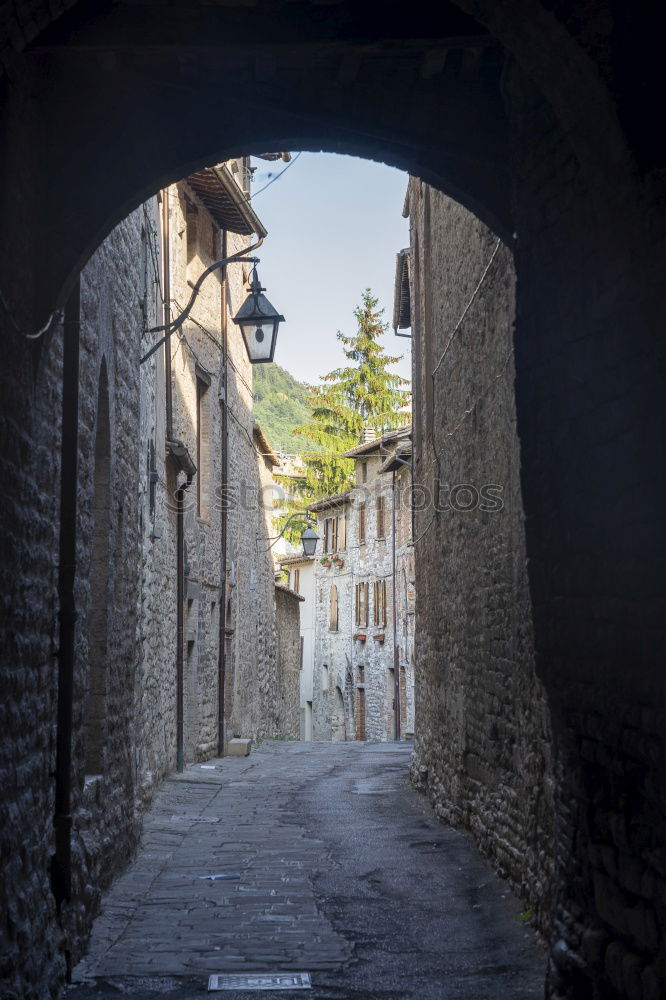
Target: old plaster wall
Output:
{"points": [[287, 611], [482, 748]]}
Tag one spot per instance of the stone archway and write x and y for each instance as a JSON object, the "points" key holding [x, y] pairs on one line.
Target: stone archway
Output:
{"points": [[521, 115]]}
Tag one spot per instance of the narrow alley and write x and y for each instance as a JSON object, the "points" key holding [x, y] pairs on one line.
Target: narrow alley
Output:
{"points": [[308, 857]]}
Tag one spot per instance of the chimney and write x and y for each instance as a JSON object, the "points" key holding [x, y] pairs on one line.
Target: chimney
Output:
{"points": [[368, 434]]}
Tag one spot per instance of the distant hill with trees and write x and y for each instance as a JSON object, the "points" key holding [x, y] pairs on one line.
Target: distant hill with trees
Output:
{"points": [[280, 404]]}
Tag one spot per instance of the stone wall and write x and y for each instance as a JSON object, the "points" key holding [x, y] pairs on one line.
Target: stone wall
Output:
{"points": [[124, 722], [30, 468], [204, 398], [591, 413], [483, 742], [155, 689], [105, 825], [287, 613]]}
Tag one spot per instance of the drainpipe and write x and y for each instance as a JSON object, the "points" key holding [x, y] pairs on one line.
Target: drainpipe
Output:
{"points": [[166, 259], [396, 657], [180, 625], [61, 871], [180, 455], [224, 476]]}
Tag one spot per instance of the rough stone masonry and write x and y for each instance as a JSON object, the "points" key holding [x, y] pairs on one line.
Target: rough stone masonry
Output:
{"points": [[482, 742]]}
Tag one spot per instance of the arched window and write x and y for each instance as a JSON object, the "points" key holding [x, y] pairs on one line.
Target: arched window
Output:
{"points": [[96, 692], [333, 624]]}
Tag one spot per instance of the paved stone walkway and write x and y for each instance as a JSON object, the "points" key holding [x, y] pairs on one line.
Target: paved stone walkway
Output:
{"points": [[308, 857]]}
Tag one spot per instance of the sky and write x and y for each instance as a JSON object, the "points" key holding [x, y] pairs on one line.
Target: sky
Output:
{"points": [[334, 227]]}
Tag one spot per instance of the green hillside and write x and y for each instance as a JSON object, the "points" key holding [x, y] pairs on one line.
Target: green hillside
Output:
{"points": [[280, 404]]}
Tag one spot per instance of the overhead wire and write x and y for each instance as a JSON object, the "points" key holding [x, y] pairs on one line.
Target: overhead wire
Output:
{"points": [[277, 176]]}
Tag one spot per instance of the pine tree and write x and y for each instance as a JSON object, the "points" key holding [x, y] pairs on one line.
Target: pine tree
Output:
{"points": [[365, 394]]}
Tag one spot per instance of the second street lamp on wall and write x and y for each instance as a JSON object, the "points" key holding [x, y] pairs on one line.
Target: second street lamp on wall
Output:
{"points": [[309, 538], [259, 323]]}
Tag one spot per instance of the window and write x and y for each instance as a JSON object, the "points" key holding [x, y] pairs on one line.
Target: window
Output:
{"points": [[380, 602], [361, 523], [381, 527], [362, 590], [297, 580], [324, 677], [364, 472], [335, 534], [301, 651], [333, 622]]}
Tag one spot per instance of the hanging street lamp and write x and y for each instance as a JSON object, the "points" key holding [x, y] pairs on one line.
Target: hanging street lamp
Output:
{"points": [[259, 323], [309, 537], [257, 318]]}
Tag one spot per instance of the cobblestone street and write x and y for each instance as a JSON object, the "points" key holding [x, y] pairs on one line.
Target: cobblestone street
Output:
{"points": [[331, 864]]}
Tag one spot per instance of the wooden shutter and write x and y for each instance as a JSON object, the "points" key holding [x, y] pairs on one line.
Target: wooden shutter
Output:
{"points": [[334, 534], [297, 580], [334, 609], [361, 522], [342, 532], [380, 517], [382, 592]]}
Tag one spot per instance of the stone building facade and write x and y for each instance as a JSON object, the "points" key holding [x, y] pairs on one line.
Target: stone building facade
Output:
{"points": [[117, 439], [482, 750], [364, 659], [202, 418]]}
